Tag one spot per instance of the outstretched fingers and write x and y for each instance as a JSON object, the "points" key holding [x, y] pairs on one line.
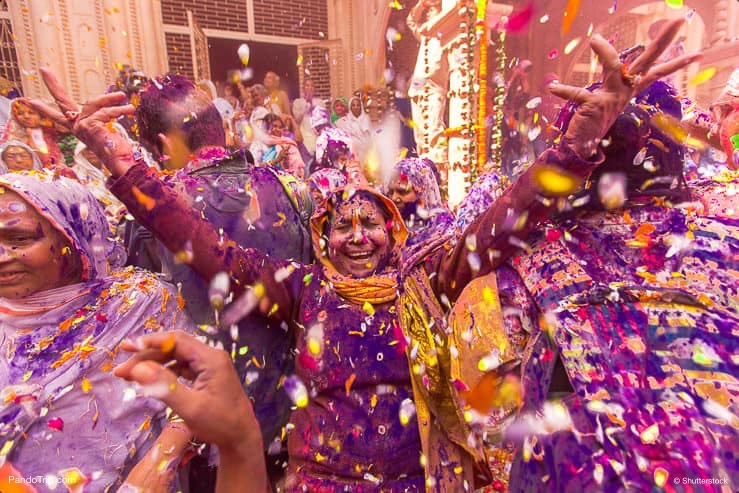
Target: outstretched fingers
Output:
{"points": [[572, 93], [160, 383], [112, 112], [665, 69], [103, 101], [49, 112], [653, 51], [57, 91], [607, 54]]}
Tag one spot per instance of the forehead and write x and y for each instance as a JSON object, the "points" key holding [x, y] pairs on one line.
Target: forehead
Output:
{"points": [[15, 211], [358, 205], [16, 150]]}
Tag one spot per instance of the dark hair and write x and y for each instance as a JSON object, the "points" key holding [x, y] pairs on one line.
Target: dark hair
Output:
{"points": [[173, 103], [660, 172], [270, 119]]}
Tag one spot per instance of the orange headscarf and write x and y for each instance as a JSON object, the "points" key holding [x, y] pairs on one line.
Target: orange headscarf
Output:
{"points": [[380, 287]]}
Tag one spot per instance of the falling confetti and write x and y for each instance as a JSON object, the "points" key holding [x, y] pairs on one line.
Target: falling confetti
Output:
{"points": [[543, 19], [143, 199], [703, 76], [555, 181], [244, 53], [407, 411], [612, 190], [569, 15], [55, 424], [572, 45], [218, 290], [518, 21], [296, 391], [553, 54], [675, 4]]}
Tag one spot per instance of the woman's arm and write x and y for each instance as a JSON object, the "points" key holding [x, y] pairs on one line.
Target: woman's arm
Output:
{"points": [[160, 209], [196, 241], [504, 227], [501, 230], [156, 471]]}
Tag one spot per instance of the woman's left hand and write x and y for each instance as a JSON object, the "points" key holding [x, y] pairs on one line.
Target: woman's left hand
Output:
{"points": [[599, 109]]}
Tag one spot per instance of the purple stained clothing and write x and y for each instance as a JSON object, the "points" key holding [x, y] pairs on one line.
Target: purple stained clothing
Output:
{"points": [[642, 310], [254, 208], [342, 405], [70, 414]]}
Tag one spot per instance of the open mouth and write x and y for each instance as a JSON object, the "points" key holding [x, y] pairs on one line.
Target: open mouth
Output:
{"points": [[360, 256], [8, 277]]}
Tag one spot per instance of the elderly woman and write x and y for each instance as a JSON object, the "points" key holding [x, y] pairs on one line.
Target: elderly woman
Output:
{"points": [[377, 402], [17, 156], [414, 188], [26, 125], [65, 305]]}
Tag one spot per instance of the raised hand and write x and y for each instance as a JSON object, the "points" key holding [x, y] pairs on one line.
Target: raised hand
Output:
{"points": [[91, 122], [214, 408], [599, 109]]}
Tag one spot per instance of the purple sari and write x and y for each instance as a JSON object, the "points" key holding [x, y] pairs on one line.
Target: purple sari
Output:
{"points": [[64, 415]]}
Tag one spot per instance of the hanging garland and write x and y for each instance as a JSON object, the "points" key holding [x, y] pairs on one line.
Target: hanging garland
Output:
{"points": [[497, 125], [482, 79]]}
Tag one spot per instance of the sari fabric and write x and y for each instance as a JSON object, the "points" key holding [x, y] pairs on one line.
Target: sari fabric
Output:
{"points": [[64, 415], [641, 307]]}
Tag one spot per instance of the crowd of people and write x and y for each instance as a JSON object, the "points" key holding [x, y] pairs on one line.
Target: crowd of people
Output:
{"points": [[204, 292]]}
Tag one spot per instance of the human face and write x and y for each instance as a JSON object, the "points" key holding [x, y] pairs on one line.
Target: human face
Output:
{"points": [[27, 116], [359, 242], [33, 255], [356, 107], [340, 108], [401, 192], [17, 158], [309, 90], [271, 80], [277, 128]]}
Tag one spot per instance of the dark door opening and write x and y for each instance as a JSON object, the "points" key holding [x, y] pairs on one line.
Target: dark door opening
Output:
{"points": [[263, 57]]}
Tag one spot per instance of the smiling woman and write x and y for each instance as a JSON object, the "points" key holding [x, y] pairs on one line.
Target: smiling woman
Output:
{"points": [[33, 255], [65, 305]]}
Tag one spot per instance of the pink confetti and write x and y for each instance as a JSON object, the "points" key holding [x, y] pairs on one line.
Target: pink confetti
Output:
{"points": [[56, 424], [518, 21], [553, 54]]}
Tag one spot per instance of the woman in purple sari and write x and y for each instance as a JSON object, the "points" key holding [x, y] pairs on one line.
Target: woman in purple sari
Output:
{"points": [[65, 305]]}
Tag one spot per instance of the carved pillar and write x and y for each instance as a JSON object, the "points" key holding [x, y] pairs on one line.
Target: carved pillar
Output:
{"points": [[84, 42]]}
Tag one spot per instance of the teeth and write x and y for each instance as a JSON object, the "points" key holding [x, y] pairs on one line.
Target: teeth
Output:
{"points": [[360, 256]]}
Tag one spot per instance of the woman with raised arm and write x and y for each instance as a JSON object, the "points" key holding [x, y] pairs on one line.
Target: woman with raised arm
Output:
{"points": [[380, 386]]}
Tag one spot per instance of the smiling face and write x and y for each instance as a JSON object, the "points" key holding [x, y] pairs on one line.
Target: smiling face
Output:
{"points": [[17, 158], [27, 116], [340, 108], [359, 241], [401, 192], [356, 107], [276, 128], [33, 255]]}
